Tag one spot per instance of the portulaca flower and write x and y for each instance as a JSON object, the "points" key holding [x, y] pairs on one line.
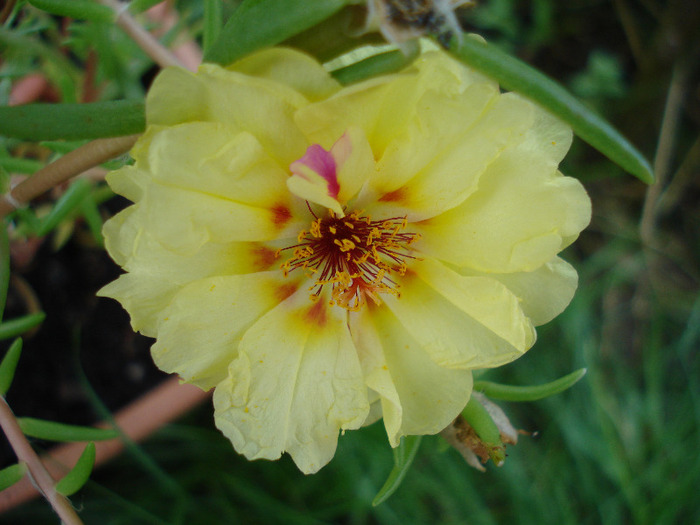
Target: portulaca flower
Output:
{"points": [[323, 256]]}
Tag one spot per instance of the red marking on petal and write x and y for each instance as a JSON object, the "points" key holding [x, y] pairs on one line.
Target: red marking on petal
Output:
{"points": [[395, 196], [281, 215], [322, 162], [263, 257], [284, 291], [317, 314]]}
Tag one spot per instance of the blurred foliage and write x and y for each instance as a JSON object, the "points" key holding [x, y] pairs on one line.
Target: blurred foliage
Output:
{"points": [[617, 448]]}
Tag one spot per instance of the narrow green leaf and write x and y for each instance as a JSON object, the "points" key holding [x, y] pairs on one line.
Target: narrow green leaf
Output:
{"points": [[138, 6], [9, 365], [88, 207], [259, 23], [404, 455], [11, 475], [28, 223], [63, 146], [68, 202], [380, 64], [19, 325], [79, 474], [53, 431], [529, 393], [13, 165], [73, 121], [515, 75], [78, 9], [213, 20], [4, 265]]}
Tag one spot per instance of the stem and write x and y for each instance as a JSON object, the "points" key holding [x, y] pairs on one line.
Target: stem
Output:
{"points": [[37, 471], [85, 157], [664, 151], [146, 41]]}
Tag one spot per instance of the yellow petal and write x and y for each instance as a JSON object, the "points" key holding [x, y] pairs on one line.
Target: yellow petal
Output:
{"points": [[260, 106], [290, 67], [418, 396], [461, 322], [544, 293], [446, 168], [157, 273], [200, 330], [522, 215], [210, 158], [296, 382]]}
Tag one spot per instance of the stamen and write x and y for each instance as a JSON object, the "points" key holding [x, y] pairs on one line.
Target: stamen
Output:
{"points": [[354, 255]]}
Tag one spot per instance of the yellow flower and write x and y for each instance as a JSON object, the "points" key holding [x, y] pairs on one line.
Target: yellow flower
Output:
{"points": [[326, 256]]}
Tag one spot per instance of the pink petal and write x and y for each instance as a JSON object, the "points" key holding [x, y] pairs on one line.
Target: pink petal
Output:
{"points": [[322, 162]]}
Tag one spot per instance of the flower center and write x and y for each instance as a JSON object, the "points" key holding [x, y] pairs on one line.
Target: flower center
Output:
{"points": [[354, 254]]}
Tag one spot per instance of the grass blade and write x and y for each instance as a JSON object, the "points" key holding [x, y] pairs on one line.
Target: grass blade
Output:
{"points": [[68, 202], [259, 23], [515, 75], [9, 365], [79, 474], [73, 121], [53, 431], [404, 455]]}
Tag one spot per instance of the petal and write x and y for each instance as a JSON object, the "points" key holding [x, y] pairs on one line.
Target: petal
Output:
{"points": [[332, 178], [292, 68], [213, 159], [314, 178], [157, 273], [201, 182], [418, 396], [544, 293], [200, 330], [461, 322], [355, 161], [296, 382], [523, 214], [445, 169], [263, 107]]}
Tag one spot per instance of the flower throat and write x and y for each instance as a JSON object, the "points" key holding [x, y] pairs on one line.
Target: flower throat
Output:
{"points": [[354, 254]]}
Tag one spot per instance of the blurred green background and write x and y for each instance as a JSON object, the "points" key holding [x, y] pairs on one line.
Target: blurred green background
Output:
{"points": [[619, 447]]}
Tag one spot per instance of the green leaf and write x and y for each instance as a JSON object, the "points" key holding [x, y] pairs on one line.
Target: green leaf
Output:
{"points": [[4, 265], [138, 6], [73, 121], [91, 213], [9, 365], [529, 393], [404, 455], [27, 166], [212, 23], [78, 9], [380, 64], [515, 75], [79, 474], [53, 431], [19, 325], [68, 202], [259, 23], [11, 475]]}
